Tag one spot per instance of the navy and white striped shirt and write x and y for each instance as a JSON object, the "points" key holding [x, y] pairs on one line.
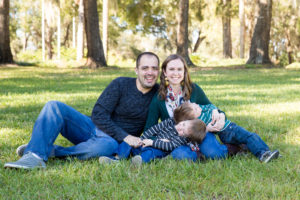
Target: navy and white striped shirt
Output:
{"points": [[164, 130]]}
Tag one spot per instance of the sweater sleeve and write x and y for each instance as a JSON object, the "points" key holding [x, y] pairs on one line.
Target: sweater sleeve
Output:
{"points": [[103, 109], [198, 96], [153, 113]]}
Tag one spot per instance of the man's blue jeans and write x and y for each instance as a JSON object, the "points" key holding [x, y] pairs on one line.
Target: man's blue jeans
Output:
{"points": [[235, 134], [57, 117]]}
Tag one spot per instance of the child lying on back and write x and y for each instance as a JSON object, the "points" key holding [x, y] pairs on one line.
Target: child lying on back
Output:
{"points": [[230, 133], [161, 139]]}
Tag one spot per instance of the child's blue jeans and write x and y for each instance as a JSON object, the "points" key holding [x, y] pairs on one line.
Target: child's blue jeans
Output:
{"points": [[235, 134]]}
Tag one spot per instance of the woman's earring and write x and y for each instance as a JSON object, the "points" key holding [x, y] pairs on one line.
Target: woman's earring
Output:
{"points": [[166, 82], [182, 83]]}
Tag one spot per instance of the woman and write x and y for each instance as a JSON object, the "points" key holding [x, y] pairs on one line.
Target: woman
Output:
{"points": [[176, 88]]}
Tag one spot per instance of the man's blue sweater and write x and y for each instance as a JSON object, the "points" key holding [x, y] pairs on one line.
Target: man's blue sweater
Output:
{"points": [[122, 109]]}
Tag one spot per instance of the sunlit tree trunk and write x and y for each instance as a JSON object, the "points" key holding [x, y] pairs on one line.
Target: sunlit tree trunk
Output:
{"points": [[242, 27], [66, 37], [226, 22], [43, 30], [105, 26], [80, 46], [74, 32], [182, 31], [25, 41], [198, 42], [58, 32], [259, 50], [5, 51], [95, 55]]}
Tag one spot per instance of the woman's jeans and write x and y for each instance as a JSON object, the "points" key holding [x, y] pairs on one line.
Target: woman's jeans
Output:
{"points": [[57, 117], [210, 147], [234, 134]]}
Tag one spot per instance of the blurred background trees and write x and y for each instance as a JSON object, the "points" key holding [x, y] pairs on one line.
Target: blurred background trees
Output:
{"points": [[260, 31]]}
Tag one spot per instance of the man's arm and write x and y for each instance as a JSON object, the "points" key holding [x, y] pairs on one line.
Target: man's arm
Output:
{"points": [[153, 113]]}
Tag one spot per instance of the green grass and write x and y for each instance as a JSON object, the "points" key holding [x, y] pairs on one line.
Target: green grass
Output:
{"points": [[266, 101]]}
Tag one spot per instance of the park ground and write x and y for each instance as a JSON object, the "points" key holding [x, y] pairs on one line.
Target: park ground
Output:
{"points": [[265, 100]]}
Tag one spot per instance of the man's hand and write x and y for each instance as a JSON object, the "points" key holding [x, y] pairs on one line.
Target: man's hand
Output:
{"points": [[133, 141], [147, 142]]}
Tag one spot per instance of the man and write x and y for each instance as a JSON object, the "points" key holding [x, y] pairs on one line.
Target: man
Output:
{"points": [[119, 115]]}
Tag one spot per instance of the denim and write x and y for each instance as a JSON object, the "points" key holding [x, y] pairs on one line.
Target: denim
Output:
{"points": [[235, 134], [210, 148], [147, 153], [57, 117]]}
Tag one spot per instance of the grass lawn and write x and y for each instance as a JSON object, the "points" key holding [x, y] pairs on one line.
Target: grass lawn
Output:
{"points": [[265, 101]]}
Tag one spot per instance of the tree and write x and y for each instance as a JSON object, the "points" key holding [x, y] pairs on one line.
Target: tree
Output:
{"points": [[105, 26], [95, 55], [259, 50], [242, 27], [5, 51], [182, 31], [80, 30], [224, 9]]}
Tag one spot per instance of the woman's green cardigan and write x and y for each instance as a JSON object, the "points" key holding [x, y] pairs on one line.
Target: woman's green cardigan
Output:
{"points": [[158, 109]]}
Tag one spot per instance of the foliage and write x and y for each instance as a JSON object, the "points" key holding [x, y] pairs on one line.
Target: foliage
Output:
{"points": [[285, 32], [265, 101], [152, 25]]}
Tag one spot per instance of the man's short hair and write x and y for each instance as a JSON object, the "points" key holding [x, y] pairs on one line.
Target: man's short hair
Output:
{"points": [[143, 54], [197, 131], [183, 112]]}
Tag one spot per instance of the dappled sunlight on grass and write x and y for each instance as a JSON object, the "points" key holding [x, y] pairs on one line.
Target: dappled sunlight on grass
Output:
{"points": [[265, 101]]}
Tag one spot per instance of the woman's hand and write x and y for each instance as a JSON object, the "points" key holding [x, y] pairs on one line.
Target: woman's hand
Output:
{"points": [[147, 142], [217, 123]]}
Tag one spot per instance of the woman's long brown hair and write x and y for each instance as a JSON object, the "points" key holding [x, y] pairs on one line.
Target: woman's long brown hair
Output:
{"points": [[186, 83]]}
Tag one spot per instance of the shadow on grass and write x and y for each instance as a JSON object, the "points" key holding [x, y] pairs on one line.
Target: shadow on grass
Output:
{"points": [[27, 64]]}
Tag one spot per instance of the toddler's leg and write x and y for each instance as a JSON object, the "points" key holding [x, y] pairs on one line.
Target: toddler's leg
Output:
{"points": [[235, 134]]}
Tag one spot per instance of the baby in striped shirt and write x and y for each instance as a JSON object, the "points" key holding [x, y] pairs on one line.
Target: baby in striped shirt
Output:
{"points": [[230, 133]]}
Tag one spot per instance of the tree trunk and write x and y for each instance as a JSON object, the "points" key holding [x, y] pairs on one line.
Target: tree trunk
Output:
{"points": [[288, 46], [182, 31], [198, 42], [259, 50], [5, 51], [95, 55], [48, 42], [80, 46], [66, 38], [58, 32], [105, 26], [74, 32], [226, 22], [242, 27], [43, 30]]}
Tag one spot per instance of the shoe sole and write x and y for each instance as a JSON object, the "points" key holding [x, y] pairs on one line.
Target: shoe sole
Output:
{"points": [[11, 165], [137, 161], [274, 155], [107, 160]]}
